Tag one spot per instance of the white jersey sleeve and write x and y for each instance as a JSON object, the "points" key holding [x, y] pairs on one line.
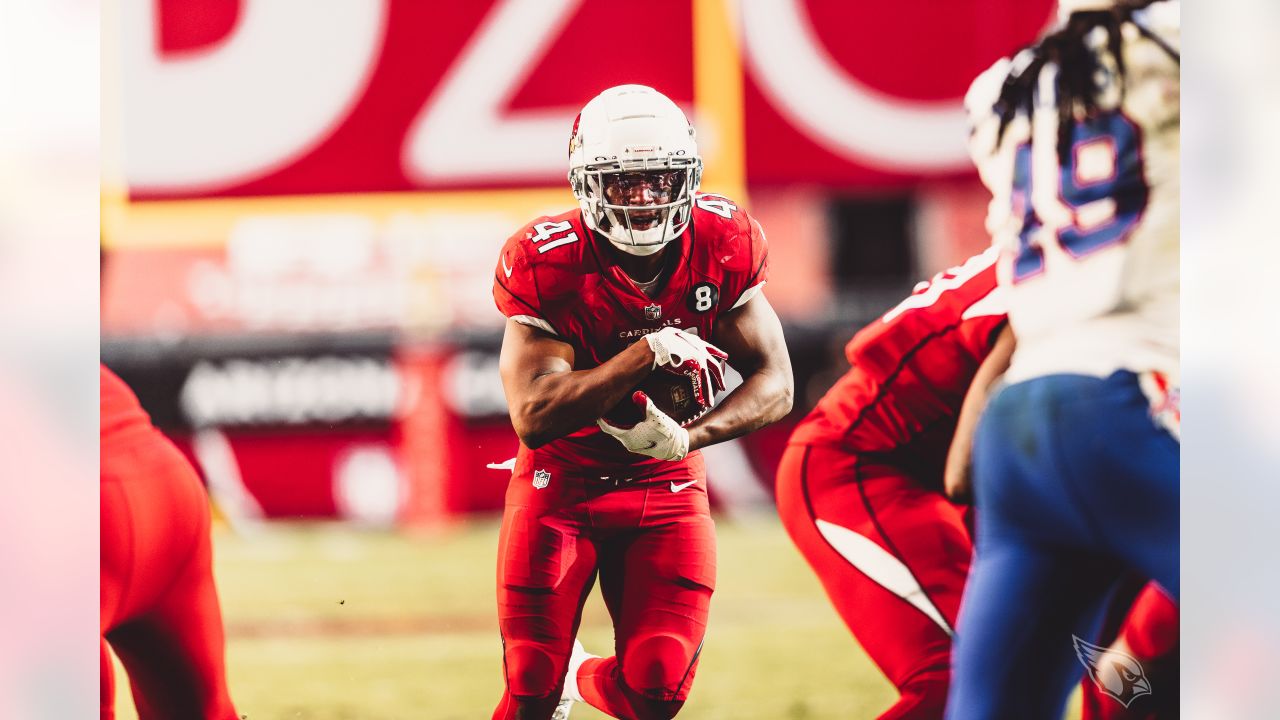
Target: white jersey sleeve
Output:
{"points": [[1089, 242]]}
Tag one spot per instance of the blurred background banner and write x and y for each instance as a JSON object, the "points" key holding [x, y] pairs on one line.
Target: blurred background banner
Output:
{"points": [[302, 209], [232, 98]]}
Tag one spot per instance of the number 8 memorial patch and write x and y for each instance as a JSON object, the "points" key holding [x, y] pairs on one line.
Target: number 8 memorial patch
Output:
{"points": [[703, 297]]}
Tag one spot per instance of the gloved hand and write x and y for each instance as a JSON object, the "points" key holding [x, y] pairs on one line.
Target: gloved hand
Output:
{"points": [[684, 353], [657, 436]]}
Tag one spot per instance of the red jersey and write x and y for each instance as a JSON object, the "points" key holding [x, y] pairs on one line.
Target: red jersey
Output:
{"points": [[121, 413], [558, 275], [911, 368]]}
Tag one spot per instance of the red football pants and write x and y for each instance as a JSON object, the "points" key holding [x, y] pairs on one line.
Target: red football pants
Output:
{"points": [[159, 607], [652, 542], [892, 556]]}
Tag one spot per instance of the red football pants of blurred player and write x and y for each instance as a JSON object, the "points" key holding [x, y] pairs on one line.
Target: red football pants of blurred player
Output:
{"points": [[159, 607], [892, 556], [652, 541], [1149, 633]]}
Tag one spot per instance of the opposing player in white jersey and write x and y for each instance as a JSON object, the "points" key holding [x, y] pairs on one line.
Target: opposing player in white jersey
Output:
{"points": [[1076, 458]]}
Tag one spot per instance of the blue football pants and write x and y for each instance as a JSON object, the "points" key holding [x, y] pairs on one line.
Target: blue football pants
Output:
{"points": [[1074, 484]]}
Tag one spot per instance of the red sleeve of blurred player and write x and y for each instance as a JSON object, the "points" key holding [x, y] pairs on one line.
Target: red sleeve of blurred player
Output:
{"points": [[965, 300], [1151, 630], [911, 367], [120, 410]]}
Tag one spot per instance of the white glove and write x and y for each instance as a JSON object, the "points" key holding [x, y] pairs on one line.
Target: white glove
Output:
{"points": [[684, 353], [658, 435]]}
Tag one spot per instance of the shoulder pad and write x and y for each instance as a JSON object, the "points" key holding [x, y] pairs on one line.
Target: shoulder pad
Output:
{"points": [[733, 244], [542, 261]]}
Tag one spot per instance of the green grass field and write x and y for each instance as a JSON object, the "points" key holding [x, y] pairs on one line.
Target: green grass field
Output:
{"points": [[325, 622]]}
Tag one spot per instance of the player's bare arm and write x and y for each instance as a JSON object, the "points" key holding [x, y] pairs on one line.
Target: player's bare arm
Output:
{"points": [[548, 399], [752, 336], [956, 476]]}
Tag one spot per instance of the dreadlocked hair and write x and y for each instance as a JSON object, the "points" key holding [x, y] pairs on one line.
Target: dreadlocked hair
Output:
{"points": [[1079, 66]]}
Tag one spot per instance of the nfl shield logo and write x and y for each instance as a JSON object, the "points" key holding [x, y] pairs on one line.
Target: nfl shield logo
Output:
{"points": [[653, 312], [541, 479], [679, 397]]}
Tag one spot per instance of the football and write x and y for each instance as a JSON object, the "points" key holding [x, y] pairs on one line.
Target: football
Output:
{"points": [[673, 394]]}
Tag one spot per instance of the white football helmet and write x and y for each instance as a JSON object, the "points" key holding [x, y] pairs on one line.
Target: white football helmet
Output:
{"points": [[634, 167]]}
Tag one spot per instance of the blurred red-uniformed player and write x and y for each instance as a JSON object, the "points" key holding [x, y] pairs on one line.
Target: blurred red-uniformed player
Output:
{"points": [[159, 606], [861, 488], [860, 485], [635, 280]]}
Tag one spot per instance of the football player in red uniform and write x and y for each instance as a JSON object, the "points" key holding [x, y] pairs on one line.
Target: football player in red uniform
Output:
{"points": [[860, 485], [159, 607], [640, 278]]}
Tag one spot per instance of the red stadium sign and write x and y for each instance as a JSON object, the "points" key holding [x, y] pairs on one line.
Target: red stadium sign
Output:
{"points": [[271, 97], [864, 93]]}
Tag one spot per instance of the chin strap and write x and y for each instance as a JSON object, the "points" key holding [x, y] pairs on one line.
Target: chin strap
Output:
{"points": [[637, 250]]}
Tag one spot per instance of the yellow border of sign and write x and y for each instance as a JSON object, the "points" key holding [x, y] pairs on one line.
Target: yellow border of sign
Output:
{"points": [[207, 222], [717, 94]]}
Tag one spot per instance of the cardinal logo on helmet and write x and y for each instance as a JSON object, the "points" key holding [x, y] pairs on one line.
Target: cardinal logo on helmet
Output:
{"points": [[1115, 673], [574, 139]]}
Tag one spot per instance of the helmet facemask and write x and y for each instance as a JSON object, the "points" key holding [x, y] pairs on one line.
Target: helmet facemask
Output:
{"points": [[640, 205], [634, 168]]}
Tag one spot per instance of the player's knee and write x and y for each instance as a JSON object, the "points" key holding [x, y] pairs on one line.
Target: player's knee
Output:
{"points": [[923, 695], [660, 710], [535, 707], [532, 671], [659, 666]]}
